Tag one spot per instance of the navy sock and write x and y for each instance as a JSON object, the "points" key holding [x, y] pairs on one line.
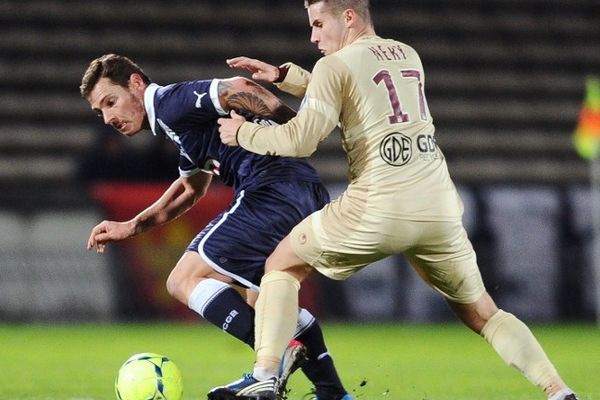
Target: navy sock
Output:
{"points": [[225, 308], [319, 368]]}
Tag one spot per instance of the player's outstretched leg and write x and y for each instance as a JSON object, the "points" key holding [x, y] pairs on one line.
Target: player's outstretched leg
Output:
{"points": [[518, 347], [515, 344]]}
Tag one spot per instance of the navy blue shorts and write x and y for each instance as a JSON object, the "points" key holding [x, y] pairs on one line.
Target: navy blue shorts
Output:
{"points": [[238, 241]]}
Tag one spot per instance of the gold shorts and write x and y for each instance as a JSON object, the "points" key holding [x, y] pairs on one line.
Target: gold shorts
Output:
{"points": [[339, 243]]}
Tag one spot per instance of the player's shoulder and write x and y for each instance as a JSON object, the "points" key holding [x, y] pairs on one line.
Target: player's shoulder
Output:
{"points": [[331, 64], [177, 100], [180, 90]]}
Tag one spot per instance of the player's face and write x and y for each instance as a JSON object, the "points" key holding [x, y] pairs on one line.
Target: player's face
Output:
{"points": [[122, 108], [329, 31]]}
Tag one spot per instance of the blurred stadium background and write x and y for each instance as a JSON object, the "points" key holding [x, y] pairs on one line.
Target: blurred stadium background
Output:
{"points": [[505, 82]]}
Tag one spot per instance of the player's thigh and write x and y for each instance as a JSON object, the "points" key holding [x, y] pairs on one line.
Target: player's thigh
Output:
{"points": [[334, 245], [284, 258], [445, 259]]}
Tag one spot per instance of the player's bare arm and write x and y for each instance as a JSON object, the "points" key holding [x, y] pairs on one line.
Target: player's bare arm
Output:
{"points": [[261, 71], [183, 193], [243, 94], [175, 201]]}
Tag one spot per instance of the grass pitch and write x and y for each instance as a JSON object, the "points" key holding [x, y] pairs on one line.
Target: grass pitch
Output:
{"points": [[375, 361]]}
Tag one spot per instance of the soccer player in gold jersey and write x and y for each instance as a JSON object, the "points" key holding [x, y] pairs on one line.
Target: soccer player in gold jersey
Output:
{"points": [[400, 198]]}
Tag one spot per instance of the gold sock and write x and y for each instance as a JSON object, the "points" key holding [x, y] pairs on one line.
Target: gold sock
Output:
{"points": [[517, 346], [276, 317]]}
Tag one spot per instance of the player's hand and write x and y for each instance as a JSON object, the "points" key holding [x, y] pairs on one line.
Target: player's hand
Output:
{"points": [[261, 71], [228, 128], [108, 231]]}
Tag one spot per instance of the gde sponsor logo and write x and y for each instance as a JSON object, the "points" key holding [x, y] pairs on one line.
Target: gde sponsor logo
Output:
{"points": [[428, 150], [396, 149], [426, 143]]}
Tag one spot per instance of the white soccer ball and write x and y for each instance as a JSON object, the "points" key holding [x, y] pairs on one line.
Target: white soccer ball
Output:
{"points": [[149, 376]]}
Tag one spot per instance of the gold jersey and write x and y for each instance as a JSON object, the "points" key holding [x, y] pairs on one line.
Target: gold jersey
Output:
{"points": [[374, 89]]}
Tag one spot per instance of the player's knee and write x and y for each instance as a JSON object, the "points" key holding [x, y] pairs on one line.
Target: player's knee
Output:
{"points": [[186, 275], [174, 284], [180, 282], [272, 264]]}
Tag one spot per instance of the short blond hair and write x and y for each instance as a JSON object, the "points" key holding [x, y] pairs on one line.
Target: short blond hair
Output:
{"points": [[338, 6]]}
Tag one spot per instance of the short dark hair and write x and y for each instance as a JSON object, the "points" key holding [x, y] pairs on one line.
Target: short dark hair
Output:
{"points": [[337, 6], [115, 67]]}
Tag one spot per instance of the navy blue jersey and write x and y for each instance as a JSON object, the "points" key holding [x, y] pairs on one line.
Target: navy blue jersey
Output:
{"points": [[187, 113]]}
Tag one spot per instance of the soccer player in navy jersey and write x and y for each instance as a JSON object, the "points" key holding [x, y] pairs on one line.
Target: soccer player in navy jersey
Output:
{"points": [[272, 195]]}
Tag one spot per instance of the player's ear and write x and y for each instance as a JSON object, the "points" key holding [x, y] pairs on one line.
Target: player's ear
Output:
{"points": [[349, 16], [136, 81]]}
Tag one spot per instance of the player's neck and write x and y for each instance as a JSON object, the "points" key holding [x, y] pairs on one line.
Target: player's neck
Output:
{"points": [[355, 34]]}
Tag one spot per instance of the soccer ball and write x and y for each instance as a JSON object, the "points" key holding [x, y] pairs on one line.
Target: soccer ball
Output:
{"points": [[149, 376]]}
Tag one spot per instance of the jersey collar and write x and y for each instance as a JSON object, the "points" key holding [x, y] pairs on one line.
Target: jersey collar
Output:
{"points": [[149, 105]]}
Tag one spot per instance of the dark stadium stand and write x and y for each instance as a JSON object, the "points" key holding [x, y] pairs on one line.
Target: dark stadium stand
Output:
{"points": [[504, 78], [505, 82]]}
